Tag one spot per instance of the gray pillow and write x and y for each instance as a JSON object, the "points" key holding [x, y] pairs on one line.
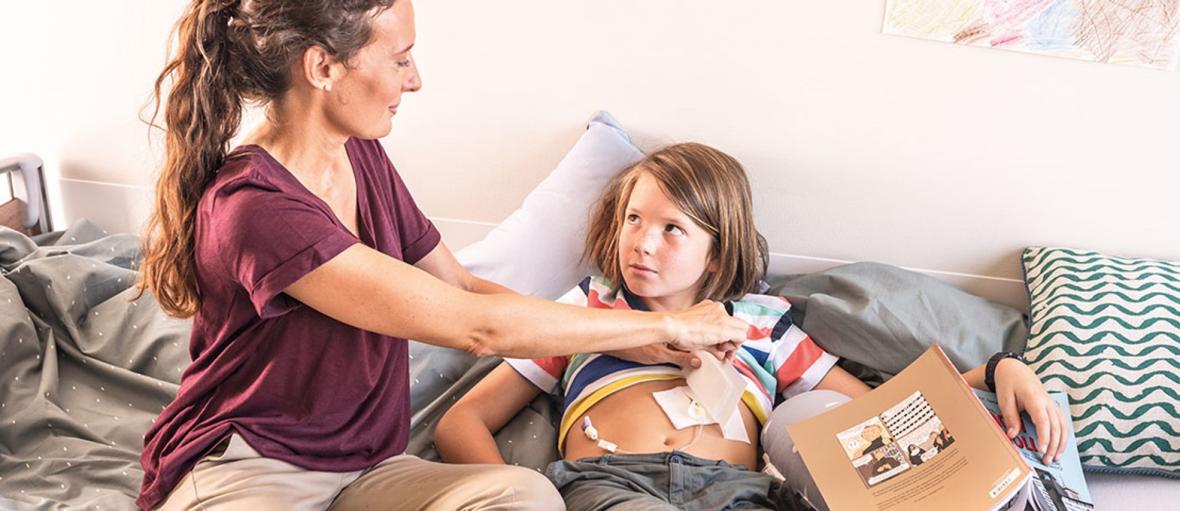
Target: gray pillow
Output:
{"points": [[882, 317]]}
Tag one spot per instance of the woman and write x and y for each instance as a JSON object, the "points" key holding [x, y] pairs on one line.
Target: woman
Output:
{"points": [[305, 263]]}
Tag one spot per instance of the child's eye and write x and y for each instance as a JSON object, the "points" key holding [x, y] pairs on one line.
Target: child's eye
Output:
{"points": [[632, 219], [403, 63], [674, 230]]}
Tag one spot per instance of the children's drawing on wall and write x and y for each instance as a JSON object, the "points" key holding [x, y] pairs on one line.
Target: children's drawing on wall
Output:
{"points": [[1136, 32]]}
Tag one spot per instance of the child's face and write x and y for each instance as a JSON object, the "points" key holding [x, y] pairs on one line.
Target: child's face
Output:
{"points": [[663, 254]]}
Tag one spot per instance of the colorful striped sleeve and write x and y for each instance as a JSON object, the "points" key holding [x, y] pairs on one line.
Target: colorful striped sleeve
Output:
{"points": [[546, 372], [797, 361]]}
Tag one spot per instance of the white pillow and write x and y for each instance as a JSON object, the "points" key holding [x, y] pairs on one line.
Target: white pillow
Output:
{"points": [[537, 250]]}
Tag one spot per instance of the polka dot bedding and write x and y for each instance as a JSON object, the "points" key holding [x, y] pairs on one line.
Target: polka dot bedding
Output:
{"points": [[84, 369]]}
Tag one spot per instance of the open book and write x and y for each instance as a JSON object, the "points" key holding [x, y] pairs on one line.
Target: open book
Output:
{"points": [[922, 440]]}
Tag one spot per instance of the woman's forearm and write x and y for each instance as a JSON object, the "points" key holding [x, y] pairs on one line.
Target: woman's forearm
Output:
{"points": [[507, 325], [486, 287], [372, 291]]}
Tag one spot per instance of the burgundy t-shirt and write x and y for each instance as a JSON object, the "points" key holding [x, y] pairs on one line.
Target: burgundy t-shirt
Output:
{"points": [[296, 385]]}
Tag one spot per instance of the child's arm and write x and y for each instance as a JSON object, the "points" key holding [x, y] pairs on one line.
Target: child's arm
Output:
{"points": [[1018, 388], [843, 382], [464, 434]]}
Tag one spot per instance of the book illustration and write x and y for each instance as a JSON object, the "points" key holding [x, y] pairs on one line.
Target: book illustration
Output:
{"points": [[904, 436]]}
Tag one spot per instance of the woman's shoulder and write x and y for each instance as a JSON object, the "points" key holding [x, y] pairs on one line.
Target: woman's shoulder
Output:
{"points": [[245, 167], [251, 178]]}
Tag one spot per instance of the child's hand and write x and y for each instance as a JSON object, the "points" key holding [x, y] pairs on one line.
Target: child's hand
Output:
{"points": [[1018, 388]]}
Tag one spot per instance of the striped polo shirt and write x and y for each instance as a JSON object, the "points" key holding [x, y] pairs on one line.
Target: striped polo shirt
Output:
{"points": [[778, 358]]}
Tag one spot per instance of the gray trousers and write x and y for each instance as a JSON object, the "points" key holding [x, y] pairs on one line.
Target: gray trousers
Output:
{"points": [[660, 481]]}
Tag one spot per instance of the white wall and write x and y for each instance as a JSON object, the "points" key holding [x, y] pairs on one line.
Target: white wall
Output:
{"points": [[860, 146], [76, 76]]}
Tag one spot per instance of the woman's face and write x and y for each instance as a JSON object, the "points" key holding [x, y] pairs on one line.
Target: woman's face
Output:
{"points": [[663, 254], [364, 100]]}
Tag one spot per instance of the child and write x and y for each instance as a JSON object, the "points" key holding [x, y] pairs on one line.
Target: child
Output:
{"points": [[674, 229]]}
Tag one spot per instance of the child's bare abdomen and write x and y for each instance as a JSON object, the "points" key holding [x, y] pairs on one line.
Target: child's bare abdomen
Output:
{"points": [[632, 419]]}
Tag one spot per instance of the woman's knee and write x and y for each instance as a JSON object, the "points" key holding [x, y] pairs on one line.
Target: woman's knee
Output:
{"points": [[530, 489], [533, 490]]}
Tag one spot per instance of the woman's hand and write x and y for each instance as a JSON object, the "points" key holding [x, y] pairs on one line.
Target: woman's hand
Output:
{"points": [[1018, 388], [661, 353], [704, 326]]}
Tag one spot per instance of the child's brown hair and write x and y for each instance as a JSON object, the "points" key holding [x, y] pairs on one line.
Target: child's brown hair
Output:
{"points": [[711, 188]]}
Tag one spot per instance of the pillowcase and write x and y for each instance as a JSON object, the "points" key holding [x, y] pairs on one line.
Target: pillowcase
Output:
{"points": [[1106, 330], [883, 317], [537, 250]]}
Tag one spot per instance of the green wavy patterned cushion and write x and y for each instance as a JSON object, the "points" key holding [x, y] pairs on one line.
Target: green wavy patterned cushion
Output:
{"points": [[1106, 330]]}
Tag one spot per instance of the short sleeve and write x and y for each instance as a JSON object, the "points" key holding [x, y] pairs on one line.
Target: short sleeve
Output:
{"points": [[268, 239], [546, 372], [799, 363], [793, 358]]}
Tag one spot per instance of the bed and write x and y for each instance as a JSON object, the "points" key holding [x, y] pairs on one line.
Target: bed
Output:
{"points": [[86, 368]]}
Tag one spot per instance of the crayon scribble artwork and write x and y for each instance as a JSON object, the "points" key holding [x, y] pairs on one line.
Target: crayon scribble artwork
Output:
{"points": [[1136, 32]]}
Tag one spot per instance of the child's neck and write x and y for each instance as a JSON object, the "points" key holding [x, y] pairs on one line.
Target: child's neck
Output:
{"points": [[667, 303]]}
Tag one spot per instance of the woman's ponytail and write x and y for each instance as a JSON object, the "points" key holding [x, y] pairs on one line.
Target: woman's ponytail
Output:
{"points": [[202, 113]]}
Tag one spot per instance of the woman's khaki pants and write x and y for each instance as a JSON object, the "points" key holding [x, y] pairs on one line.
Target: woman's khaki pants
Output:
{"points": [[240, 478]]}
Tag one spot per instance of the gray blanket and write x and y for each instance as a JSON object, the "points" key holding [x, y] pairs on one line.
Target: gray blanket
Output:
{"points": [[878, 318]]}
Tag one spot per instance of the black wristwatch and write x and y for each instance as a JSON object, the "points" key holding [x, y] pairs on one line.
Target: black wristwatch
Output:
{"points": [[989, 374]]}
